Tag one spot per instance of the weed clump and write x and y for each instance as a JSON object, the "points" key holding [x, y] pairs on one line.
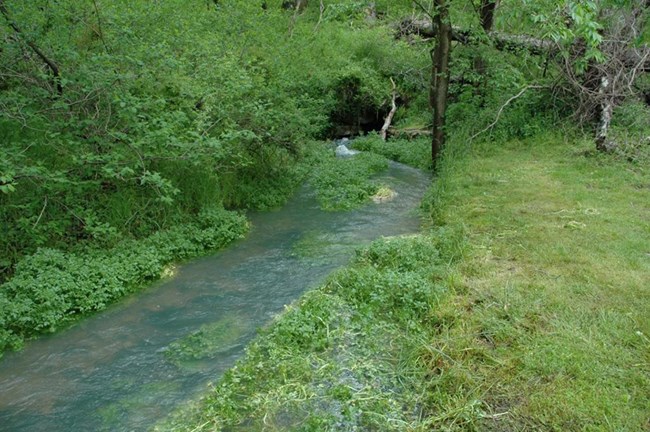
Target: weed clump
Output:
{"points": [[206, 342], [346, 183], [343, 357]]}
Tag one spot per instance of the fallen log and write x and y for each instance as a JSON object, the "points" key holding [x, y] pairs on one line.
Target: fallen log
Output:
{"points": [[409, 133], [502, 41]]}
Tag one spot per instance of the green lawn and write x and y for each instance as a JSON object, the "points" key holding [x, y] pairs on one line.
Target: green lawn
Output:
{"points": [[553, 330]]}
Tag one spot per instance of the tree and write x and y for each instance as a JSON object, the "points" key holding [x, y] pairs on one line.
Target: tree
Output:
{"points": [[487, 13], [601, 48], [439, 90], [294, 4], [439, 84], [602, 53]]}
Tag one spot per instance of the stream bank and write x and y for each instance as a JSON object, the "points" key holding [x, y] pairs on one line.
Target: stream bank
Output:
{"points": [[125, 368], [525, 310], [346, 356]]}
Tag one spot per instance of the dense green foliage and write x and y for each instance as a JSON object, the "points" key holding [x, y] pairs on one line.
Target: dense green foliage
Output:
{"points": [[413, 152], [318, 368], [166, 111], [631, 129], [52, 288], [168, 108]]}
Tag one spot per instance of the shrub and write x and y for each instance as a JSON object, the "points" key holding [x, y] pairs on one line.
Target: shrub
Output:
{"points": [[631, 132], [345, 183], [52, 288]]}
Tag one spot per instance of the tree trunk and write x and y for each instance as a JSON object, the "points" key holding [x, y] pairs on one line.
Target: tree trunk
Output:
{"points": [[391, 114], [294, 4], [440, 77], [606, 113], [487, 14]]}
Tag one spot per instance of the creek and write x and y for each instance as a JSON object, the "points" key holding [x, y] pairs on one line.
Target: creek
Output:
{"points": [[127, 367]]}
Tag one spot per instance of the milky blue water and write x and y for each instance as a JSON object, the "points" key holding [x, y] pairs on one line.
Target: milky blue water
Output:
{"points": [[113, 371]]}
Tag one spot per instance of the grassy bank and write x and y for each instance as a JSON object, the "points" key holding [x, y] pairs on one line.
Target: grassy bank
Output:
{"points": [[552, 331], [526, 310], [53, 288]]}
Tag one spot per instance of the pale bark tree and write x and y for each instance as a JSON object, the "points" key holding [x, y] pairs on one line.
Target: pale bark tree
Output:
{"points": [[607, 41]]}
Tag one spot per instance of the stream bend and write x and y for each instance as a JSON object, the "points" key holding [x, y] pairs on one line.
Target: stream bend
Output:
{"points": [[129, 366]]}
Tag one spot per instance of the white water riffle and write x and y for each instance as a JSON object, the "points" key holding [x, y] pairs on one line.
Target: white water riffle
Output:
{"points": [[342, 151]]}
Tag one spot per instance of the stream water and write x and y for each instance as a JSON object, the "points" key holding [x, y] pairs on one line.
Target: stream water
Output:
{"points": [[114, 371]]}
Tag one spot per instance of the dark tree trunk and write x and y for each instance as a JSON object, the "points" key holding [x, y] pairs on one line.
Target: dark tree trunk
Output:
{"points": [[54, 68], [294, 4], [440, 77], [487, 14]]}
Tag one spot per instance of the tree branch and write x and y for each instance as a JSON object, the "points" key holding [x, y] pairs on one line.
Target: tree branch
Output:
{"points": [[100, 27], [391, 114], [508, 102], [54, 68], [426, 11], [320, 16]]}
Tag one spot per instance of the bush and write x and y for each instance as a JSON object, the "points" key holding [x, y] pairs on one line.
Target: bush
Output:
{"points": [[345, 183], [52, 288], [413, 152], [631, 132]]}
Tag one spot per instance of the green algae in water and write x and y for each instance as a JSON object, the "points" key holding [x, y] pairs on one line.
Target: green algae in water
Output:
{"points": [[323, 247], [138, 404], [205, 343], [346, 183]]}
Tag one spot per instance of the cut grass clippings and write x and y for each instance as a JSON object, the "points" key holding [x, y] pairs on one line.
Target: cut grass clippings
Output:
{"points": [[552, 333]]}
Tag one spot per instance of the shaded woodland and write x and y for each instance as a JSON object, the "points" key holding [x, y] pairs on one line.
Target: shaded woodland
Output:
{"points": [[138, 130]]}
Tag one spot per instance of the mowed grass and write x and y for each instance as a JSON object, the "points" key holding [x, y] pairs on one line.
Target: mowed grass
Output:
{"points": [[552, 328]]}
